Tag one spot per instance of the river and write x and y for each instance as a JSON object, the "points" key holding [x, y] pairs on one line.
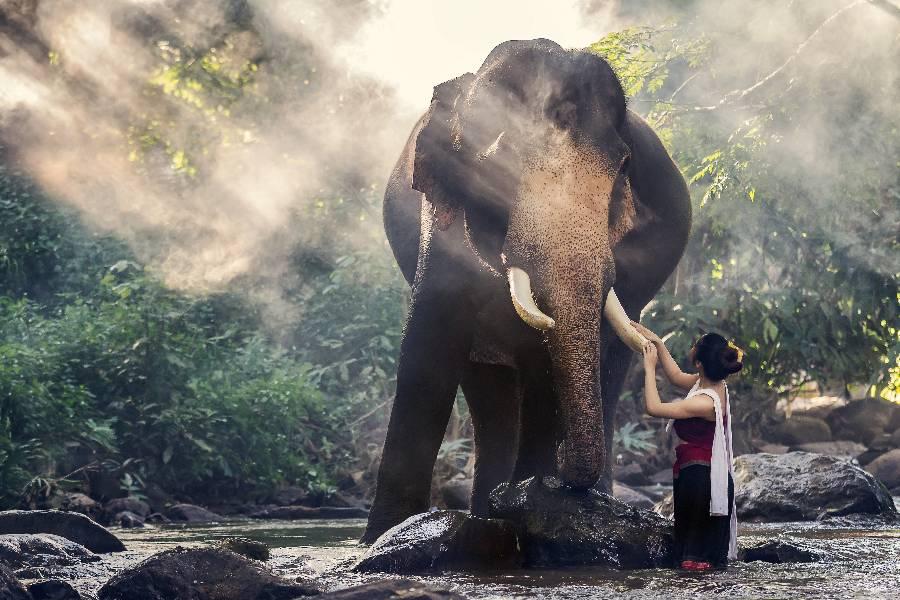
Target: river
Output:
{"points": [[862, 563]]}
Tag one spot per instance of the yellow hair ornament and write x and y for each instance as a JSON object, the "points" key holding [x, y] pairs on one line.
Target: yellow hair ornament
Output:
{"points": [[740, 352]]}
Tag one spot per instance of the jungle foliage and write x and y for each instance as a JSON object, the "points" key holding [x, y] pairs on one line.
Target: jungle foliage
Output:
{"points": [[111, 381]]}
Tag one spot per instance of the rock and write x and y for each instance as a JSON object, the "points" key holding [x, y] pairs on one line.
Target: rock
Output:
{"points": [[801, 486], [10, 586], [442, 540], [895, 439], [655, 492], [130, 504], [306, 512], [664, 477], [817, 406], [190, 513], [81, 503], [45, 550], [246, 547], [776, 551], [631, 496], [886, 468], [560, 527], [73, 526], [127, 520], [456, 493], [666, 506], [393, 589], [630, 474], [868, 456], [157, 518], [800, 429], [741, 442], [864, 420], [53, 589], [201, 574], [774, 448], [882, 442], [839, 448]]}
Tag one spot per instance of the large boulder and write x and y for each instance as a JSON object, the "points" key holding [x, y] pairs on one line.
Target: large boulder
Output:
{"points": [[631, 496], [393, 589], [81, 503], [42, 551], [801, 430], [778, 551], [801, 486], [70, 525], [865, 420], [457, 493], [53, 589], [630, 474], [129, 504], [443, 540], [201, 574], [886, 469], [191, 513], [560, 527], [309, 512], [839, 448], [10, 586]]}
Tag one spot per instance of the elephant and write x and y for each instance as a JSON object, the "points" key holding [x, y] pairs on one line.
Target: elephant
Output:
{"points": [[525, 192]]}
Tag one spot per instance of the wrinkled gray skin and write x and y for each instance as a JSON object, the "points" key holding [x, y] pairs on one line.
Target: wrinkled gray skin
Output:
{"points": [[580, 193]]}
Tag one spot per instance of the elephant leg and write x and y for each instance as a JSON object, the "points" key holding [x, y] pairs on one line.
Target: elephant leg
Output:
{"points": [[538, 435], [618, 359], [428, 374], [492, 396]]}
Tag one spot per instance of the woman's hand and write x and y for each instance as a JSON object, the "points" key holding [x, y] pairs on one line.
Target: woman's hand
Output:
{"points": [[650, 357], [647, 333]]}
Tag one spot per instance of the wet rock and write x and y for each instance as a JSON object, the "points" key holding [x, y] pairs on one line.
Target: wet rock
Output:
{"points": [[777, 551], [886, 468], [801, 429], [631, 496], [246, 547], [655, 492], [864, 420], [53, 589], [26, 550], [81, 503], [157, 518], [307, 512], [135, 506], [443, 540], [773, 448], [559, 527], [456, 493], [664, 476], [393, 589], [73, 526], [10, 586], [127, 520], [839, 448], [630, 474], [801, 486], [666, 506], [190, 513], [201, 574]]}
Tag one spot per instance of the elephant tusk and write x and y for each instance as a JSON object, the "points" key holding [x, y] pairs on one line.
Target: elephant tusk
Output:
{"points": [[520, 290], [621, 324]]}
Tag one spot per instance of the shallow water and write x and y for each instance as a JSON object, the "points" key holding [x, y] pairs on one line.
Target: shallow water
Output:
{"points": [[862, 563]]}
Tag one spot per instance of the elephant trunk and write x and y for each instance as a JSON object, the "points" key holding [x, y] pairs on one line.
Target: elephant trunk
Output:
{"points": [[576, 353]]}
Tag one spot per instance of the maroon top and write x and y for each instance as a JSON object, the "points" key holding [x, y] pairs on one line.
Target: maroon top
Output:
{"points": [[697, 436]]}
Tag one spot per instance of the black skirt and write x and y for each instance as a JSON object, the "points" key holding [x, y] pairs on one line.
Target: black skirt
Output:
{"points": [[698, 535]]}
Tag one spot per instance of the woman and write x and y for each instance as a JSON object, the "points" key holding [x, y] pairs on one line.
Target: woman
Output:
{"points": [[703, 484]]}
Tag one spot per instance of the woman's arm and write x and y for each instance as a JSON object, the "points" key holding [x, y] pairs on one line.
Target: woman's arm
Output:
{"points": [[673, 373], [700, 405]]}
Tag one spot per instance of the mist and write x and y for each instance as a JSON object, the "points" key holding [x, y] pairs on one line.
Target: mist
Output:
{"points": [[208, 194]]}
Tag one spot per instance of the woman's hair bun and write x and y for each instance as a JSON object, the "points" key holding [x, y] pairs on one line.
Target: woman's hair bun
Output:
{"points": [[719, 357]]}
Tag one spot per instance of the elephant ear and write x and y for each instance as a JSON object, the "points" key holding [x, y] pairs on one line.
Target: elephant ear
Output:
{"points": [[437, 170]]}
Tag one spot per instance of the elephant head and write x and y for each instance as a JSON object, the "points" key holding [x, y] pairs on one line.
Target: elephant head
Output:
{"points": [[531, 151]]}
